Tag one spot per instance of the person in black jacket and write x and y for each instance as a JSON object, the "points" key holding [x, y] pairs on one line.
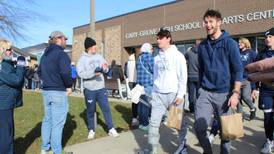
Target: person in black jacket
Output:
{"points": [[11, 84], [55, 73], [193, 75], [266, 97]]}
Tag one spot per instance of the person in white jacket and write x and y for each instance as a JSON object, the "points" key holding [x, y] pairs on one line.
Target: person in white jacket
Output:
{"points": [[169, 88], [131, 75]]}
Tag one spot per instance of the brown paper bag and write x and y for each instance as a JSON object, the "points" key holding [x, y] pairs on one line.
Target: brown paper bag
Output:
{"points": [[232, 125], [174, 117]]}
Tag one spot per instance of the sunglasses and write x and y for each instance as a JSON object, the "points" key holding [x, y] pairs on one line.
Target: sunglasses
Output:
{"points": [[10, 49], [63, 37]]}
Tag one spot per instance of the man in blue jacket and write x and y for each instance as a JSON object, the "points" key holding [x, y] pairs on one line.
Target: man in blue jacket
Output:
{"points": [[55, 72], [220, 76], [11, 84]]}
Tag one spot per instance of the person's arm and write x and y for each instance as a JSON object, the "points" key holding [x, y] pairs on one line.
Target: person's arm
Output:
{"points": [[255, 89], [200, 63], [65, 69], [236, 73], [151, 64], [182, 79], [253, 59], [82, 72], [13, 79]]}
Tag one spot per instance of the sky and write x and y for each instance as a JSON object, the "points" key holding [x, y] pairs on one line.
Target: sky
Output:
{"points": [[63, 15]]}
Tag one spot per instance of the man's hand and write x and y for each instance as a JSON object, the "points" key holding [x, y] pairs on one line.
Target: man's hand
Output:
{"points": [[68, 91], [254, 94], [178, 101], [105, 66], [233, 100]]}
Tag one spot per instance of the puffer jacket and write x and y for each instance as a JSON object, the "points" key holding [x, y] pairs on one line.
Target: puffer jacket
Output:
{"points": [[11, 84]]}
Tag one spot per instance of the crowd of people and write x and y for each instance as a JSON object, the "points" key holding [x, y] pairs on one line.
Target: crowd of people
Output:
{"points": [[212, 72]]}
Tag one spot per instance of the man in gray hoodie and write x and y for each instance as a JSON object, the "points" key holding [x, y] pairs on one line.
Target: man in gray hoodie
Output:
{"points": [[90, 68]]}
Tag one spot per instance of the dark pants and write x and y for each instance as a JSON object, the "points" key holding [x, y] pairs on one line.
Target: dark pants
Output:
{"points": [[193, 87], [134, 107], [73, 84], [267, 101], [269, 125], [6, 131], [144, 111], [91, 98], [29, 83]]}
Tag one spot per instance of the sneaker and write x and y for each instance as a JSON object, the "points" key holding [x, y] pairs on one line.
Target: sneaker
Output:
{"points": [[91, 135], [164, 120], [252, 114], [144, 128], [112, 132], [46, 152], [65, 152], [211, 138], [134, 122], [154, 150], [267, 147]]}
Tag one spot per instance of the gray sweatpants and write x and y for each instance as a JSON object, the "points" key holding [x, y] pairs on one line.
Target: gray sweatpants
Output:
{"points": [[246, 96], [206, 105], [160, 103]]}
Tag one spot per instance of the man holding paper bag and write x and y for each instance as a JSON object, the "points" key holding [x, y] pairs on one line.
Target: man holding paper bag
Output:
{"points": [[169, 87], [220, 75]]}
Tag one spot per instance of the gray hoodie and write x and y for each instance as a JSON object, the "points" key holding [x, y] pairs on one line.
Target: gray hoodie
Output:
{"points": [[86, 66]]}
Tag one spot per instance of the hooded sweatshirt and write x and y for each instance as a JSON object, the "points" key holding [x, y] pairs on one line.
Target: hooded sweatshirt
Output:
{"points": [[170, 72], [220, 63], [54, 69], [86, 66]]}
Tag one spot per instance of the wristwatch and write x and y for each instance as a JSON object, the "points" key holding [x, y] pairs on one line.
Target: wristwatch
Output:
{"points": [[236, 91]]}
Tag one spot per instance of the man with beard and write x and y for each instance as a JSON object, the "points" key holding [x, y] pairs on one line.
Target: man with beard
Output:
{"points": [[220, 75]]}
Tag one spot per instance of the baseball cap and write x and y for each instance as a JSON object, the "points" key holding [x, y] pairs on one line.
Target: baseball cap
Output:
{"points": [[56, 34], [270, 32]]}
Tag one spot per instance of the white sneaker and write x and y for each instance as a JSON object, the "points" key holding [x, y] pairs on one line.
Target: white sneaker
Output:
{"points": [[46, 152], [112, 132], [154, 150], [91, 135], [43, 152], [267, 147], [211, 138]]}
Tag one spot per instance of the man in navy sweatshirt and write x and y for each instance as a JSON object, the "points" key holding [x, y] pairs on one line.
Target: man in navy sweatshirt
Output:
{"points": [[220, 76], [55, 72]]}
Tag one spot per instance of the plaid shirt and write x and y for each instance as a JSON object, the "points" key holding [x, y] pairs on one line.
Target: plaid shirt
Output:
{"points": [[145, 65]]}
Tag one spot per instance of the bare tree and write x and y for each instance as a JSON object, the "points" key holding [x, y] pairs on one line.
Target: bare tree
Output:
{"points": [[14, 17]]}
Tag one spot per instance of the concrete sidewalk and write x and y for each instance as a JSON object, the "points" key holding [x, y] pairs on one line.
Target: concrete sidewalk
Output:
{"points": [[131, 142]]}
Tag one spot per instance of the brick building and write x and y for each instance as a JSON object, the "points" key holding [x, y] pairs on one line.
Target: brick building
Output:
{"points": [[120, 35]]}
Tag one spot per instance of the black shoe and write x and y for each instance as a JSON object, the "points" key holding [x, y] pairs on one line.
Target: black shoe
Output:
{"points": [[252, 114]]}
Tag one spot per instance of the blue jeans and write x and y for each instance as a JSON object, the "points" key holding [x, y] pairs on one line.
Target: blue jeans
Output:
{"points": [[91, 98], [144, 111], [6, 131], [56, 109]]}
